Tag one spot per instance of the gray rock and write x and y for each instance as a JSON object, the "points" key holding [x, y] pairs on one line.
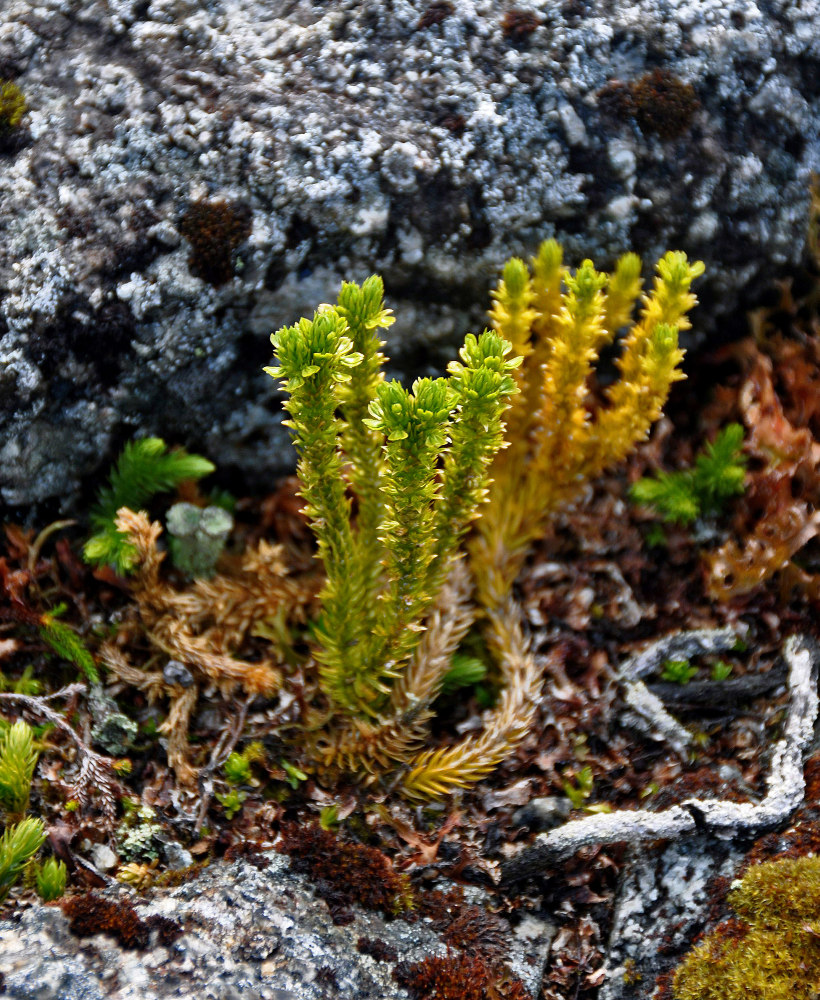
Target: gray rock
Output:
{"points": [[663, 900], [247, 933], [543, 813], [103, 857], [349, 138]]}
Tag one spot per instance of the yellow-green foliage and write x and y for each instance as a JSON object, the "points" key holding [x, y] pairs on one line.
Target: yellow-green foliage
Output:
{"points": [[773, 951], [417, 460], [12, 105], [18, 758], [51, 879], [559, 321], [18, 845]]}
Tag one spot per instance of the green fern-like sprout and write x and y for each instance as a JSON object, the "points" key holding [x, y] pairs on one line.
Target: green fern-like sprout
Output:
{"points": [[50, 880], [718, 475], [464, 672], [65, 642], [18, 845], [144, 468], [18, 758]]}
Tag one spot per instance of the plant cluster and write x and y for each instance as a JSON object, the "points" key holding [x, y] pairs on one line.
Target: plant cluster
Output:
{"points": [[23, 836], [393, 480], [718, 475], [417, 463], [558, 439]]}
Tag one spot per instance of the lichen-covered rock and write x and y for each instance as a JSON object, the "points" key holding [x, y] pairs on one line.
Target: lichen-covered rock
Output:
{"points": [[247, 931], [190, 175]]}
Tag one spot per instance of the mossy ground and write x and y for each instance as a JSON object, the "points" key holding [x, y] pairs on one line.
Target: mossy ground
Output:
{"points": [[772, 950]]}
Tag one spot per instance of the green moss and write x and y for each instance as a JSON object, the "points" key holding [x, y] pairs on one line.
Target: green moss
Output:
{"points": [[12, 105], [772, 952]]}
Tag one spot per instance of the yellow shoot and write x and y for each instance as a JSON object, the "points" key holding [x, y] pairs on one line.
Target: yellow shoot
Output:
{"points": [[556, 441]]}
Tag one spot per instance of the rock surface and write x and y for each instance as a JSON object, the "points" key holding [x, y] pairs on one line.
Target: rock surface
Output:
{"points": [[247, 933], [192, 175]]}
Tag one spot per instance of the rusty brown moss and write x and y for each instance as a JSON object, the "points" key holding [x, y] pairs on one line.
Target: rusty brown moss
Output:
{"points": [[345, 874], [215, 230]]}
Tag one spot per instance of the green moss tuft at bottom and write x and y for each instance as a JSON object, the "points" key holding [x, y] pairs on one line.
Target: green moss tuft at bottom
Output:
{"points": [[771, 951]]}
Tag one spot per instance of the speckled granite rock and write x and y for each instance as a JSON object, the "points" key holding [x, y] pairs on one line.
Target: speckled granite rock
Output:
{"points": [[248, 933], [428, 141]]}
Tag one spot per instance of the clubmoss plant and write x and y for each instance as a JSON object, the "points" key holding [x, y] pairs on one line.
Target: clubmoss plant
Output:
{"points": [[50, 879], [18, 845], [559, 322], [417, 463], [18, 758]]}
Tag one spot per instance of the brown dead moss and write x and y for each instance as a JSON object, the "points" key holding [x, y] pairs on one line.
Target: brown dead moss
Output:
{"points": [[457, 977], [92, 914], [214, 229], [345, 874], [658, 101]]}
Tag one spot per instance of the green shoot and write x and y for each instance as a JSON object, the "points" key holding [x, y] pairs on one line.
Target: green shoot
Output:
{"points": [[144, 468], [678, 671], [717, 475]]}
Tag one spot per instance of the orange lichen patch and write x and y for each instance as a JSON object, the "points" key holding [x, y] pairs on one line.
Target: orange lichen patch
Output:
{"points": [[91, 914], [772, 949], [345, 874], [457, 977], [214, 229]]}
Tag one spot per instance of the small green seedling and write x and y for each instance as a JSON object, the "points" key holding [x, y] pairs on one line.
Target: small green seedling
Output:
{"points": [[718, 474], [678, 671], [579, 789], [721, 670], [231, 801], [295, 776], [329, 818], [237, 767], [50, 880]]}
